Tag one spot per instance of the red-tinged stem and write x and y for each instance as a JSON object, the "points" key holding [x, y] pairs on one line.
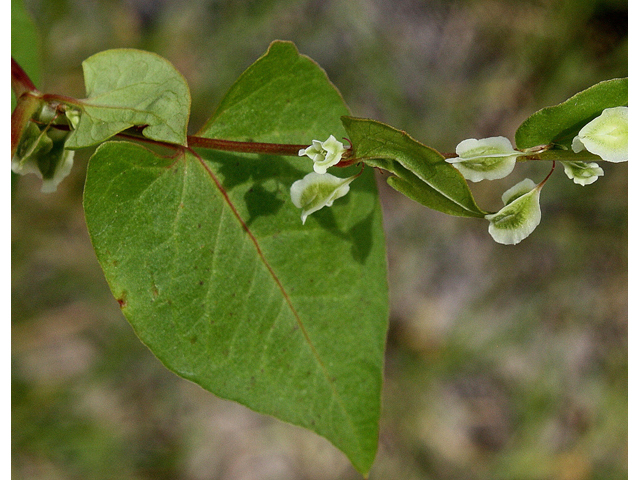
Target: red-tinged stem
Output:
{"points": [[55, 98], [20, 81], [135, 133], [553, 167], [26, 107], [286, 149], [245, 147]]}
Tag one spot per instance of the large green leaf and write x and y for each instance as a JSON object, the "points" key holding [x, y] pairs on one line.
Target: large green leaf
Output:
{"points": [[215, 271], [421, 173], [560, 123], [25, 45], [126, 88]]}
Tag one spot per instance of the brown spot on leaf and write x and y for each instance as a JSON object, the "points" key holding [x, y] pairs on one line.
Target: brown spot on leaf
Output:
{"points": [[122, 300]]}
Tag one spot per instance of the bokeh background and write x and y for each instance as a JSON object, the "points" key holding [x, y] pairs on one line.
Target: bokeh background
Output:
{"points": [[502, 362]]}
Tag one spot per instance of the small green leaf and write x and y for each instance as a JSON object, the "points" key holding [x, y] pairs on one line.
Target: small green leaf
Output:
{"points": [[214, 270], [421, 172], [126, 88], [561, 123]]}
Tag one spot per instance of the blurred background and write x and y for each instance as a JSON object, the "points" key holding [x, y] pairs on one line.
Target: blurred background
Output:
{"points": [[503, 362]]}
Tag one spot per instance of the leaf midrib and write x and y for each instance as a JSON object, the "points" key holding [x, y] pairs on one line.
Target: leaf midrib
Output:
{"points": [[286, 296]]}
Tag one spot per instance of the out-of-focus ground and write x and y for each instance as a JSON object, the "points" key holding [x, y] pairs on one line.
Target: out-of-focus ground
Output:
{"points": [[503, 362]]}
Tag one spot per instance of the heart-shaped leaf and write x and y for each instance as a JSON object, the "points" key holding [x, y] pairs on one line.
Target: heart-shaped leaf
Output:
{"points": [[213, 268], [126, 88], [560, 123], [421, 173]]}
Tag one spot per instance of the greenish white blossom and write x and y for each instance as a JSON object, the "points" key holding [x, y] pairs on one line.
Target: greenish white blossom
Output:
{"points": [[324, 154], [315, 191], [42, 153], [582, 173], [73, 115], [606, 135], [485, 159], [52, 167], [519, 217]]}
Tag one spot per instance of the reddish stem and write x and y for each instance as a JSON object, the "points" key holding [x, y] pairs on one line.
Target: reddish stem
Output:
{"points": [[20, 81], [27, 106], [245, 147], [553, 167], [21, 84]]}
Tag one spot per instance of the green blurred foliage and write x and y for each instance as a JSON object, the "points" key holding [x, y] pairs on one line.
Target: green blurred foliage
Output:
{"points": [[503, 362]]}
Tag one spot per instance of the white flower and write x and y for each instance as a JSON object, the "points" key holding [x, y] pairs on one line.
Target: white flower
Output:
{"points": [[485, 159], [519, 217], [324, 154], [62, 169], [52, 180], [606, 135], [316, 190], [582, 173], [44, 157]]}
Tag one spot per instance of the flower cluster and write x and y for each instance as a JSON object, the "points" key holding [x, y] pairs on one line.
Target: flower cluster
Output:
{"points": [[495, 157], [42, 151], [320, 189]]}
